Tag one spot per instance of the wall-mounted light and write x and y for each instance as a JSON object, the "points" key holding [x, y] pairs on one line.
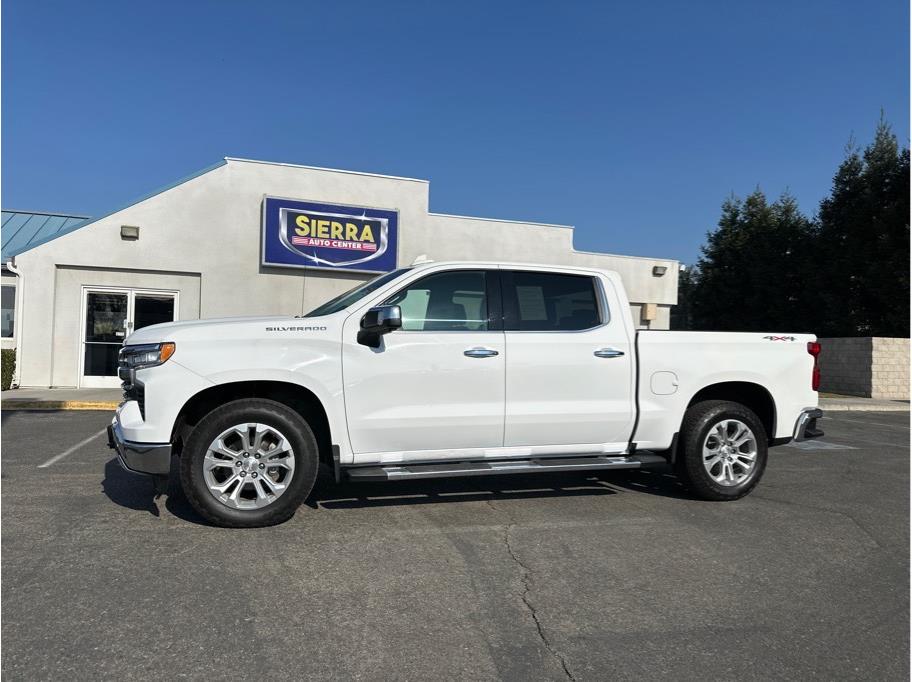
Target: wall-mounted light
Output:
{"points": [[658, 270], [130, 232]]}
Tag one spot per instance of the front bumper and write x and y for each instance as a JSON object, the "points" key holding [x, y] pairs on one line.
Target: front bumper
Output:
{"points": [[806, 426], [142, 458]]}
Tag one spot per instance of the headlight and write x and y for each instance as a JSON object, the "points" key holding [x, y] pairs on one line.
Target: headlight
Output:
{"points": [[145, 355]]}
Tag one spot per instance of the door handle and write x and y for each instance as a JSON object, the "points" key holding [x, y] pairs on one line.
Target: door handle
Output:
{"points": [[479, 353], [608, 353]]}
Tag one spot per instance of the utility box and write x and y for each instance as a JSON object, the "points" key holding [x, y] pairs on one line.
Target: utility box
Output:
{"points": [[649, 312]]}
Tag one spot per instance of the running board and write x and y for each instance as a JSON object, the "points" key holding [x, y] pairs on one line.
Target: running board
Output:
{"points": [[397, 472]]}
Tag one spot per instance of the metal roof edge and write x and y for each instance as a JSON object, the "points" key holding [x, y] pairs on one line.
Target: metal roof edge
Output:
{"points": [[89, 221], [329, 170], [54, 214]]}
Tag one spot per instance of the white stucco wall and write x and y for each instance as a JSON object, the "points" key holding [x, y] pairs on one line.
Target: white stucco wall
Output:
{"points": [[203, 238]]}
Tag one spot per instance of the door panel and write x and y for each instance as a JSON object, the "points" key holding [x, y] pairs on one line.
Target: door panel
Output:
{"points": [[558, 391], [419, 392], [106, 314], [110, 315]]}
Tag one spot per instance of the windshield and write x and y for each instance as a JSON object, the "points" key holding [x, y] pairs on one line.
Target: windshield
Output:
{"points": [[342, 301]]}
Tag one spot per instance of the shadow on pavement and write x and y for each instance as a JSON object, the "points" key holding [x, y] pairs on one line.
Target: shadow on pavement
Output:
{"points": [[329, 495], [139, 492], [128, 490], [9, 412], [658, 482], [135, 491]]}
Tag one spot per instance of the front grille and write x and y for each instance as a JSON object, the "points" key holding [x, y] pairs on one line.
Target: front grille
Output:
{"points": [[132, 389], [137, 392]]}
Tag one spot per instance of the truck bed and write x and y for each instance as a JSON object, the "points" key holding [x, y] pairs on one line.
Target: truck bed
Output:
{"points": [[673, 367]]}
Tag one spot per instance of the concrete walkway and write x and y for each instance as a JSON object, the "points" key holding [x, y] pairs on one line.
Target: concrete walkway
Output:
{"points": [[61, 399], [109, 399]]}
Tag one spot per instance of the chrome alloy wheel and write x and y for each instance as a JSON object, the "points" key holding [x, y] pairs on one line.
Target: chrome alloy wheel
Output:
{"points": [[248, 466], [730, 452]]}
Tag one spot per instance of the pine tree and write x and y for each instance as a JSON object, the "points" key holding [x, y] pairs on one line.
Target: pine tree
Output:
{"points": [[682, 313], [863, 243], [769, 268], [751, 267], [721, 286]]}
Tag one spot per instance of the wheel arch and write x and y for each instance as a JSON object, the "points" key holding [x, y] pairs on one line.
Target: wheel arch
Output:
{"points": [[295, 396], [752, 395]]}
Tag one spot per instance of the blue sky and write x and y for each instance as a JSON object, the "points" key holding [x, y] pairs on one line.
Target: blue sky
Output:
{"points": [[631, 121]]}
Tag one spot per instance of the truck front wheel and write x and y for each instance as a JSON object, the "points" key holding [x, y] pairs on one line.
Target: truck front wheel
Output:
{"points": [[249, 463], [722, 450]]}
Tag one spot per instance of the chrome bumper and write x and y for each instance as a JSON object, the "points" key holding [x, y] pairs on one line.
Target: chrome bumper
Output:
{"points": [[142, 458], [806, 426]]}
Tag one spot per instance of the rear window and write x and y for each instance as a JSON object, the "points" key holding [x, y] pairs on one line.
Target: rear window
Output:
{"points": [[545, 301]]}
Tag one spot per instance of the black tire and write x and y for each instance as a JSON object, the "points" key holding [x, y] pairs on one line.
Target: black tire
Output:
{"points": [[273, 414], [699, 420]]}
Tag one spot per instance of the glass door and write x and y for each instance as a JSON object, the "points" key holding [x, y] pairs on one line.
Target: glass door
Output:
{"points": [[151, 308], [110, 316], [106, 314]]}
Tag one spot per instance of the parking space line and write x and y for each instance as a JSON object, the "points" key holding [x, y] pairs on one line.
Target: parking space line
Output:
{"points": [[70, 451], [818, 445]]}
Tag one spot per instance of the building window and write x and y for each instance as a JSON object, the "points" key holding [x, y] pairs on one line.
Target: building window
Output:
{"points": [[8, 316]]}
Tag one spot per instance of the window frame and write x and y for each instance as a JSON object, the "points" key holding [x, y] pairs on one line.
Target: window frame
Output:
{"points": [[15, 321], [511, 310], [493, 298], [398, 272]]}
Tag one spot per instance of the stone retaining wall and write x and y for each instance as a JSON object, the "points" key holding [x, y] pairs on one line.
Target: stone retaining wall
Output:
{"points": [[872, 367]]}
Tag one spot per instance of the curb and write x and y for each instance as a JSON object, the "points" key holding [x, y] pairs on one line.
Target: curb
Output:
{"points": [[22, 404], [860, 407]]}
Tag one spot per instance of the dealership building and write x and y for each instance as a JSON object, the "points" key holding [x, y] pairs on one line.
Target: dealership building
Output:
{"points": [[249, 238]]}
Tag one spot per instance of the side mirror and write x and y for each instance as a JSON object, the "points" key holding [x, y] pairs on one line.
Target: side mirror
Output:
{"points": [[377, 322]]}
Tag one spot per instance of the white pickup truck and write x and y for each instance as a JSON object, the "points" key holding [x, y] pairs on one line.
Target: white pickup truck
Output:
{"points": [[454, 369]]}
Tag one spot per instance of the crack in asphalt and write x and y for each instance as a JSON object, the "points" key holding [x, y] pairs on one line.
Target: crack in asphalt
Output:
{"points": [[526, 579], [827, 510]]}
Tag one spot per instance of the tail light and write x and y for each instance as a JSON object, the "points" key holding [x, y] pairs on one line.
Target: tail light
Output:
{"points": [[814, 350]]}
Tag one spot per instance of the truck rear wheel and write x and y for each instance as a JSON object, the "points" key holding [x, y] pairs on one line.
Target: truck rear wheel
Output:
{"points": [[723, 450], [249, 463]]}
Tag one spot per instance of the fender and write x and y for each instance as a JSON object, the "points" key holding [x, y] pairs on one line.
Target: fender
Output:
{"points": [[330, 400], [734, 389]]}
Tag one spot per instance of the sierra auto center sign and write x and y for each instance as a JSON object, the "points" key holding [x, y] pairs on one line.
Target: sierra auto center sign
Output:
{"points": [[328, 236]]}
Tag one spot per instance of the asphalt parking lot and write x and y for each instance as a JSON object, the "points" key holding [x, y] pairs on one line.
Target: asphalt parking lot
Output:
{"points": [[570, 576]]}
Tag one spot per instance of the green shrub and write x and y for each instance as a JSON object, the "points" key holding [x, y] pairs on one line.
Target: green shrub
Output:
{"points": [[7, 367]]}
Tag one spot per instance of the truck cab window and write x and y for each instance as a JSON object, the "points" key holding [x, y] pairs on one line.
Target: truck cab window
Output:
{"points": [[446, 301], [352, 296], [545, 301]]}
